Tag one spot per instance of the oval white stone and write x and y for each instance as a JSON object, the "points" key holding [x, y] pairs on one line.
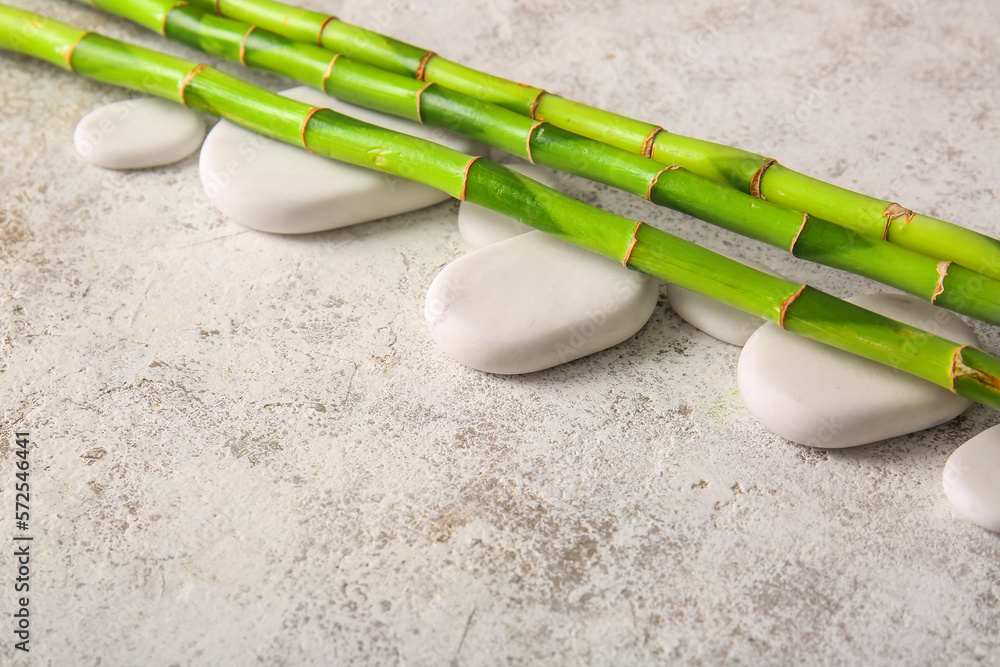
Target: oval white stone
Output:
{"points": [[972, 479], [271, 186], [718, 320], [820, 396], [139, 133], [480, 226], [533, 302]]}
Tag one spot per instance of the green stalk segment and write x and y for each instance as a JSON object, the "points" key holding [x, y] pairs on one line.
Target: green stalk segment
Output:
{"points": [[746, 171], [963, 369], [809, 238], [40, 37]]}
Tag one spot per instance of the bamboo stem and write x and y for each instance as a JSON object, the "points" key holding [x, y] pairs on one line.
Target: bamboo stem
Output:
{"points": [[805, 236], [962, 369], [743, 170]]}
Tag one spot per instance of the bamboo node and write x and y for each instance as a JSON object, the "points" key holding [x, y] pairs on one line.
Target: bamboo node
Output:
{"points": [[188, 78], [465, 177], [218, 10], [786, 304], [420, 116], [527, 142], [72, 49], [534, 105], [960, 370], [421, 73], [631, 246], [305, 121], [957, 367], [805, 219], [893, 211], [649, 142], [942, 271], [322, 27], [329, 71], [163, 24], [757, 177], [656, 177], [243, 45]]}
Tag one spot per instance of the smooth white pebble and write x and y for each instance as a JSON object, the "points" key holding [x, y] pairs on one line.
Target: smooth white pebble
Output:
{"points": [[139, 133], [272, 186], [972, 479], [817, 395], [532, 302]]}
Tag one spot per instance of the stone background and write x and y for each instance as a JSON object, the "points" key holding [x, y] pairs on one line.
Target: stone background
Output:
{"points": [[247, 450]]}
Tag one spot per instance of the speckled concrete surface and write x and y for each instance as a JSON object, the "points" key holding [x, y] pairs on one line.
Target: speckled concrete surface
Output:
{"points": [[248, 451]]}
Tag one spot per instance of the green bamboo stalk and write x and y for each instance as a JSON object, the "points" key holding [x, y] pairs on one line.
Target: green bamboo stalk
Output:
{"points": [[746, 171], [807, 237], [799, 308]]}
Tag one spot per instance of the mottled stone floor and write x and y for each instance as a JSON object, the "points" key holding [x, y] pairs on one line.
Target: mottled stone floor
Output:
{"points": [[247, 450]]}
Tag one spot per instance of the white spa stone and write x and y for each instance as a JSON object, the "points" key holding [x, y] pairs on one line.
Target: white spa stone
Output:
{"points": [[139, 133], [480, 226], [816, 395], [275, 187], [533, 302], [718, 320], [972, 479]]}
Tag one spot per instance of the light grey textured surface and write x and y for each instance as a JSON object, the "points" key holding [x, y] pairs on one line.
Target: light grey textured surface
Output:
{"points": [[247, 450]]}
